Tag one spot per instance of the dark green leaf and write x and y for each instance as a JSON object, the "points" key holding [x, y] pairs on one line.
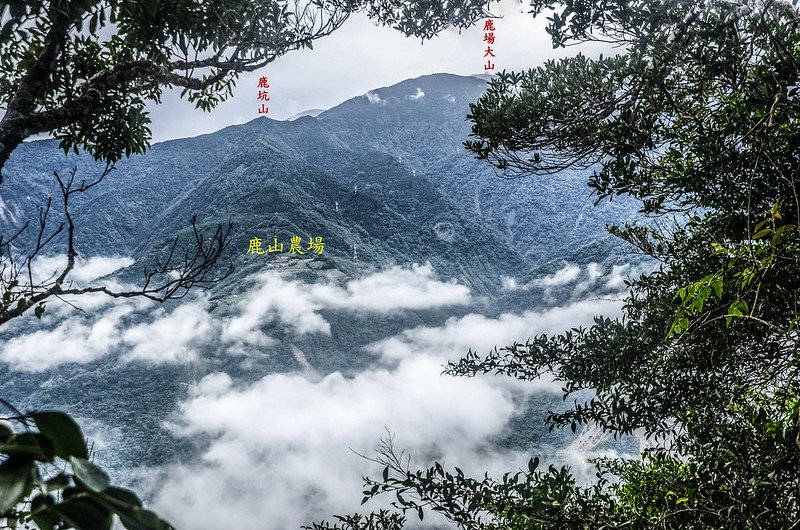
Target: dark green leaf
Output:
{"points": [[29, 444], [16, 477], [6, 433], [58, 482], [90, 475], [45, 518], [63, 432], [123, 495], [84, 514], [138, 519], [151, 6]]}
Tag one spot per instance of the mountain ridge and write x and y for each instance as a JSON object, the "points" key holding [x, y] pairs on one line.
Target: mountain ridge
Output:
{"points": [[418, 122]]}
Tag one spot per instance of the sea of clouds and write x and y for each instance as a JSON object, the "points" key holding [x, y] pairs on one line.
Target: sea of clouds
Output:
{"points": [[284, 450]]}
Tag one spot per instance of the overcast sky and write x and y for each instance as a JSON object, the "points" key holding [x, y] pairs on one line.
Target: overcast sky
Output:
{"points": [[357, 58]]}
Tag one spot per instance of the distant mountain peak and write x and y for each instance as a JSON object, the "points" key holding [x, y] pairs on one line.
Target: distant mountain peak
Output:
{"points": [[484, 77], [313, 113], [420, 94]]}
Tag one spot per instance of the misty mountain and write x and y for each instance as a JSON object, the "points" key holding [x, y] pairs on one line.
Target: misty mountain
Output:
{"points": [[310, 112], [383, 178]]}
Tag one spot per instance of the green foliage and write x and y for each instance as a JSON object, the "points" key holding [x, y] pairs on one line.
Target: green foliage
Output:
{"points": [[383, 520], [749, 264], [47, 479], [697, 119]]}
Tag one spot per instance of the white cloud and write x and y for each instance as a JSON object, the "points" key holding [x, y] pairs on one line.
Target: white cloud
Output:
{"points": [[104, 324], [616, 279], [95, 267], [281, 454], [289, 301], [591, 442], [278, 452], [563, 276], [73, 341], [279, 449], [374, 98], [298, 304], [170, 337], [85, 273], [509, 284], [594, 271], [400, 288], [176, 336], [582, 279], [419, 94], [85, 270], [482, 333], [212, 385], [450, 98]]}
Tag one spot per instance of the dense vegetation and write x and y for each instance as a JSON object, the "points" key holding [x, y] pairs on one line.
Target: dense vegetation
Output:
{"points": [[82, 71], [227, 174], [697, 119]]}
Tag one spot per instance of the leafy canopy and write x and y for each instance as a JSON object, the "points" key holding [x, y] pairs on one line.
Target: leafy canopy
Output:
{"points": [[696, 117], [83, 71]]}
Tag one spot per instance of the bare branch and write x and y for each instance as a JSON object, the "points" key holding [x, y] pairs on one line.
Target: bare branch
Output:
{"points": [[169, 279]]}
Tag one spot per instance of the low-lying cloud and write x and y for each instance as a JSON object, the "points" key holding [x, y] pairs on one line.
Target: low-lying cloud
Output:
{"points": [[142, 332], [84, 271], [73, 341], [170, 337], [288, 438], [297, 304], [399, 288], [374, 98], [562, 276], [419, 94], [482, 333], [573, 282], [282, 448], [279, 452]]}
